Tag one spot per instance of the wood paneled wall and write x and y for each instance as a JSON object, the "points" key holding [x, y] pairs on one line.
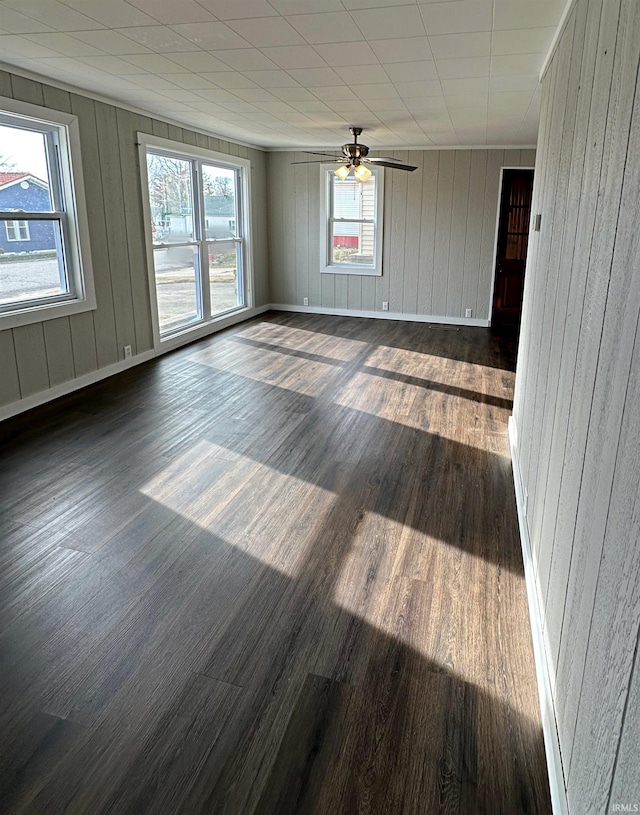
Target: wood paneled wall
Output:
{"points": [[34, 358], [577, 402], [439, 234]]}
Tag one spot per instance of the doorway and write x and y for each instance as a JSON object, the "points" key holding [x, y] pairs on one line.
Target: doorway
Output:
{"points": [[512, 244]]}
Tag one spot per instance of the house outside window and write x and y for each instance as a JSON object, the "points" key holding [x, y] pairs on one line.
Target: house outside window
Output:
{"points": [[17, 231], [45, 266], [351, 223]]}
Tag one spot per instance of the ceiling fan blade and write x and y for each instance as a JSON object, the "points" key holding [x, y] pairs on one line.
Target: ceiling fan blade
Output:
{"points": [[381, 158], [393, 165]]}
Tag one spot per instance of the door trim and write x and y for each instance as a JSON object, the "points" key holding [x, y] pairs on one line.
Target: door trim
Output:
{"points": [[495, 238]]}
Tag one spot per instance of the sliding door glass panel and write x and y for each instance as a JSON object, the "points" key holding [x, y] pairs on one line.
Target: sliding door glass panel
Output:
{"points": [[171, 198], [177, 286], [225, 275]]}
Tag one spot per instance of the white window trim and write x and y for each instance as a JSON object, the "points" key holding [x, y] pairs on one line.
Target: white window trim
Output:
{"points": [[18, 225], [78, 261], [147, 141], [326, 267]]}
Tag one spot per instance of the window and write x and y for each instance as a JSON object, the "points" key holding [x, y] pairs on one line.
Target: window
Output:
{"points": [[17, 231], [45, 268], [198, 225], [351, 214]]}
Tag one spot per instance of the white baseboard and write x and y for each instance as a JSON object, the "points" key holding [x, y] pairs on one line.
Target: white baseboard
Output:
{"points": [[40, 398], [547, 708], [382, 315]]}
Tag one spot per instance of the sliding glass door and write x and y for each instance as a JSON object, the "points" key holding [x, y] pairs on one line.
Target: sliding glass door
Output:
{"points": [[196, 215]]}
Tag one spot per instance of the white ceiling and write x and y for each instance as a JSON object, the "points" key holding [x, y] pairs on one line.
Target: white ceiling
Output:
{"points": [[297, 73]]}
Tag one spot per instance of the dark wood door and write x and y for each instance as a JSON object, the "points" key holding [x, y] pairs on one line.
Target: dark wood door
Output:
{"points": [[513, 240]]}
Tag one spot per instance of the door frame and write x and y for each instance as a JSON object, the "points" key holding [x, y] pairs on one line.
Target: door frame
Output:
{"points": [[495, 240]]}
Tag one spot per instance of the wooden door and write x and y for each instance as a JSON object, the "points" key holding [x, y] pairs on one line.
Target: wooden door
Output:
{"points": [[513, 240]]}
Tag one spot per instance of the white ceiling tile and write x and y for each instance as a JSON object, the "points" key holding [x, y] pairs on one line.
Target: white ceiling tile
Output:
{"points": [[211, 36], [411, 71], [316, 77], [154, 63], [477, 85], [426, 104], [363, 74], [405, 49], [238, 9], [454, 46], [13, 22], [170, 12], [255, 95], [73, 66], [327, 27], [297, 94], [389, 23], [516, 64], [111, 42], [113, 65], [52, 13], [333, 93], [218, 95], [194, 82], [467, 100], [272, 79], [295, 56], [341, 54], [114, 14], [246, 59], [383, 90], [511, 102], [353, 5], [180, 94], [417, 90], [197, 61], [65, 44], [514, 82], [14, 45], [458, 16], [229, 80], [158, 38], [459, 68], [388, 105], [522, 41], [150, 81], [287, 7], [519, 14], [267, 31], [312, 105]]}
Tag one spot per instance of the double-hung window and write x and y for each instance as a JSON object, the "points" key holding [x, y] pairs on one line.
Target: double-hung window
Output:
{"points": [[45, 268], [198, 228], [351, 223]]}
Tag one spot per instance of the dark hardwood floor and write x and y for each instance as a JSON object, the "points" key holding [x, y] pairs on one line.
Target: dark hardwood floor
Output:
{"points": [[276, 571]]}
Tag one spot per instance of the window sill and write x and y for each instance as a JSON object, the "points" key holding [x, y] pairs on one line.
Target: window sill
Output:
{"points": [[368, 271], [202, 329], [50, 311]]}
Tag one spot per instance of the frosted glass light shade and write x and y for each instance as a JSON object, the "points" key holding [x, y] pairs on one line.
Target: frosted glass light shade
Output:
{"points": [[362, 173], [342, 172]]}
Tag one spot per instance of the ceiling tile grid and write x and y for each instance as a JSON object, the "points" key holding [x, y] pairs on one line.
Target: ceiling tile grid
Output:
{"points": [[297, 73]]}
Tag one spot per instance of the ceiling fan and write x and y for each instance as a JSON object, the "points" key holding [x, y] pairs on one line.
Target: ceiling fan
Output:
{"points": [[355, 158]]}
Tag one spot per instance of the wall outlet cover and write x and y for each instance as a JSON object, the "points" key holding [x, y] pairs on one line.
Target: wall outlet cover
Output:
{"points": [[305, 301], [385, 305]]}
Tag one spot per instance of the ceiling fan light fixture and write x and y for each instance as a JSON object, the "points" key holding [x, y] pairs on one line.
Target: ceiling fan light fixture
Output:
{"points": [[342, 172], [362, 173]]}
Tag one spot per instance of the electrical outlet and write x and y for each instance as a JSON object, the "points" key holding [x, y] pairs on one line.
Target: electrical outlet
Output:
{"points": [[127, 352], [468, 312], [385, 305], [305, 301]]}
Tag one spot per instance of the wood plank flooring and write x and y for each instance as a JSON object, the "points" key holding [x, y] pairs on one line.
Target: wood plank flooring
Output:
{"points": [[276, 571]]}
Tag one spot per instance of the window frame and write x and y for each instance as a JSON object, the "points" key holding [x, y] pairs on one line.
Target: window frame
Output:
{"points": [[327, 178], [242, 167], [68, 197]]}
